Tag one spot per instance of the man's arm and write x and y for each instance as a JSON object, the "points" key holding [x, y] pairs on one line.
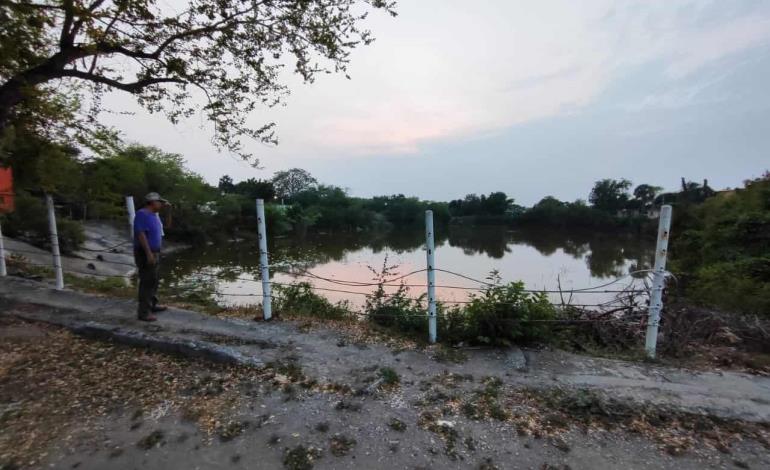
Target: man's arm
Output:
{"points": [[146, 247]]}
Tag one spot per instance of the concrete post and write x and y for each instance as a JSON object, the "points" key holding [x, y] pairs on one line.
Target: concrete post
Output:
{"points": [[54, 242], [267, 307], [3, 269], [430, 251], [658, 281], [131, 214]]}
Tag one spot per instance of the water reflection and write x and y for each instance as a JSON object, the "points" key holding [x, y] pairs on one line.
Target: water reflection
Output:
{"points": [[537, 257]]}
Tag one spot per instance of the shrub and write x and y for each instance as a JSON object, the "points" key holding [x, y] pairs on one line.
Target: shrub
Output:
{"points": [[396, 311], [389, 376], [299, 299], [30, 222], [502, 314], [742, 286]]}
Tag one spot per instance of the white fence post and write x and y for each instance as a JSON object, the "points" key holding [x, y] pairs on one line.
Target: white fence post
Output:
{"points": [[430, 245], [54, 242], [658, 281], [267, 308], [131, 214], [3, 269]]}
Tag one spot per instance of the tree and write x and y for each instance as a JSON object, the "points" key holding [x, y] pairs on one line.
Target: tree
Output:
{"points": [[291, 182], [645, 195], [226, 54], [226, 184], [610, 195], [497, 203], [253, 188]]}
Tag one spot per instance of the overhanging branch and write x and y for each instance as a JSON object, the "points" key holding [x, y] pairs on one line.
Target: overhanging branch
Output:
{"points": [[131, 87]]}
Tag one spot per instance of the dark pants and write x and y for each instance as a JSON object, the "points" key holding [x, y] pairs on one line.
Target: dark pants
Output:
{"points": [[149, 277]]}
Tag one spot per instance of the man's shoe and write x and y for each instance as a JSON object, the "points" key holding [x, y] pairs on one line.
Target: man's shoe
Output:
{"points": [[159, 308], [148, 318]]}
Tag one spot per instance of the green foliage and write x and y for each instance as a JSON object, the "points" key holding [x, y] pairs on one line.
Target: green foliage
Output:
{"points": [[644, 196], [252, 189], [397, 310], [402, 211], [742, 286], [501, 314], [94, 188], [299, 299], [389, 376], [229, 51], [291, 182], [610, 195], [30, 222], [723, 250], [496, 204], [552, 212]]}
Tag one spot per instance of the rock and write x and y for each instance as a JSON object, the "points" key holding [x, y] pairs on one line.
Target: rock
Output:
{"points": [[516, 360]]}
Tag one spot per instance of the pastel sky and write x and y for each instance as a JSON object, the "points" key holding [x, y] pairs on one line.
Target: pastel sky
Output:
{"points": [[533, 98]]}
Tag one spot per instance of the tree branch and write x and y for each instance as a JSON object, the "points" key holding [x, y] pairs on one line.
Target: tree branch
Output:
{"points": [[132, 87], [69, 15]]}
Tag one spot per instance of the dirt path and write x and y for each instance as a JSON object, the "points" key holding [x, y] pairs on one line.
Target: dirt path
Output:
{"points": [[106, 252], [320, 398]]}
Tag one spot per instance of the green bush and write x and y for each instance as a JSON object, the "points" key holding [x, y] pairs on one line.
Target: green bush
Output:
{"points": [[502, 314], [397, 311], [742, 286], [30, 222], [299, 299], [721, 249]]}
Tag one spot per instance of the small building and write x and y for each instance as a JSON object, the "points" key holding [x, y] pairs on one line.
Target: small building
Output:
{"points": [[6, 191]]}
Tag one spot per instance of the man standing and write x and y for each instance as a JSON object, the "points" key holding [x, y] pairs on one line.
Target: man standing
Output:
{"points": [[148, 237]]}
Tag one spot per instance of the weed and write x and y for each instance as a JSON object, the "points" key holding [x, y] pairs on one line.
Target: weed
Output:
{"points": [[485, 402], [347, 405], [397, 425], [288, 367], [487, 464], [154, 439], [300, 458], [445, 354], [389, 376], [446, 430], [232, 430], [340, 445]]}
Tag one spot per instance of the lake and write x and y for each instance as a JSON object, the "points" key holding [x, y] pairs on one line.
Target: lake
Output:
{"points": [[542, 259]]}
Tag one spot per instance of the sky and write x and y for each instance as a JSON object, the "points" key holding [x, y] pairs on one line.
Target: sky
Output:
{"points": [[530, 98]]}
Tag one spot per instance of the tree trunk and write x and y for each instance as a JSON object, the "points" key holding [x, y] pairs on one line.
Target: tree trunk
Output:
{"points": [[12, 92]]}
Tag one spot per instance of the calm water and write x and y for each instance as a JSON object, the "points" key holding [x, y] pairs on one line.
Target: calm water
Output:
{"points": [[540, 258]]}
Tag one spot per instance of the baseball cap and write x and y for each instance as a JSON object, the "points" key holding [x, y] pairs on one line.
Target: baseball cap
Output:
{"points": [[149, 197]]}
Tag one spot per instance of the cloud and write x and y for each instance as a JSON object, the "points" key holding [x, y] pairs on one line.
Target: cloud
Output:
{"points": [[446, 71], [443, 71]]}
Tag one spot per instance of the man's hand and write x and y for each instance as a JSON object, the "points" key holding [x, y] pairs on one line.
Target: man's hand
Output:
{"points": [[146, 247]]}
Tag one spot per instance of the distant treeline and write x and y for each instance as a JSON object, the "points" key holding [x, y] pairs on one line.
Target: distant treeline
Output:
{"points": [[721, 241], [94, 188], [610, 204]]}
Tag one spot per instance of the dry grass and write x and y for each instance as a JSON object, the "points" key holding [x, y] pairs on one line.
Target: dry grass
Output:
{"points": [[52, 379]]}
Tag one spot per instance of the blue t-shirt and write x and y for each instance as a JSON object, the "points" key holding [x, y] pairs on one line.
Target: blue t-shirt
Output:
{"points": [[148, 222]]}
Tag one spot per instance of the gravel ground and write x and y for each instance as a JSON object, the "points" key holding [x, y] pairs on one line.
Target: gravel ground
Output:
{"points": [[69, 402]]}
